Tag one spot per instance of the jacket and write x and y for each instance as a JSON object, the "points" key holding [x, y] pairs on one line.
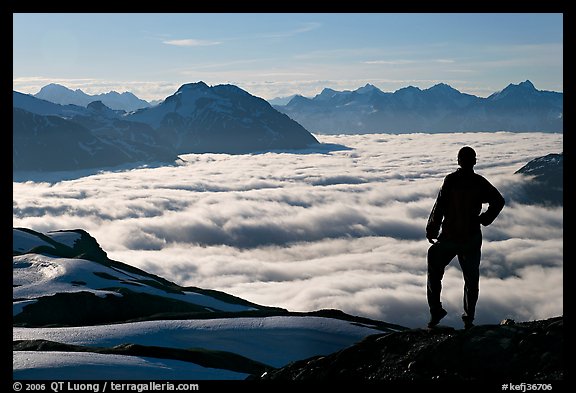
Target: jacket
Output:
{"points": [[458, 206]]}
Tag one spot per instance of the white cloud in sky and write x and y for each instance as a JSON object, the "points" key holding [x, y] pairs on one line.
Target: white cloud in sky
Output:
{"points": [[191, 42], [303, 28], [328, 229], [390, 62], [405, 62]]}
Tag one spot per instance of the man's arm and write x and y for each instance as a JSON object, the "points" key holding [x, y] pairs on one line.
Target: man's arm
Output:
{"points": [[435, 219], [495, 202]]}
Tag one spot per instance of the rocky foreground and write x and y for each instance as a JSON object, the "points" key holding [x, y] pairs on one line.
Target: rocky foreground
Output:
{"points": [[527, 351]]}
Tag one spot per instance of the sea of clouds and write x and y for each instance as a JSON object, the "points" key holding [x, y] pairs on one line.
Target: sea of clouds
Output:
{"points": [[338, 226]]}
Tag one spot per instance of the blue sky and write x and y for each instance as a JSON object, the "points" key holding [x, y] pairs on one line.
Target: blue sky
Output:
{"points": [[280, 54]]}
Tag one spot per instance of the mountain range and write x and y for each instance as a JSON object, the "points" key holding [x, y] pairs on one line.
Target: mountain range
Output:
{"points": [[79, 315], [226, 119], [59, 94], [195, 119], [440, 108]]}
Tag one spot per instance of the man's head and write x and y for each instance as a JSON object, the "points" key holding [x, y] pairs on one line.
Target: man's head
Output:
{"points": [[467, 157]]}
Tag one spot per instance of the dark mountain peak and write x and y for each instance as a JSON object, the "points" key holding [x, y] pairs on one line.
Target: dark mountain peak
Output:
{"points": [[408, 89], [230, 89], [328, 90], [525, 88], [408, 95], [298, 99], [442, 87], [367, 88], [53, 87], [326, 94], [193, 86], [527, 85], [188, 95], [97, 106]]}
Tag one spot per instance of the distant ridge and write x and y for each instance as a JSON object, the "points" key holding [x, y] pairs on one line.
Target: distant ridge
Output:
{"points": [[59, 94], [440, 108]]}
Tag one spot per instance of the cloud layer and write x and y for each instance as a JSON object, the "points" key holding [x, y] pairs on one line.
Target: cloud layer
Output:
{"points": [[328, 229]]}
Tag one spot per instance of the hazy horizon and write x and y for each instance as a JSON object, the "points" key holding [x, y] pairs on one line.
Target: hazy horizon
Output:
{"points": [[279, 54], [270, 99], [324, 228]]}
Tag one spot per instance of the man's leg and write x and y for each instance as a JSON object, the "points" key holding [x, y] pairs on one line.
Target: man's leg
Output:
{"points": [[439, 256], [469, 260]]}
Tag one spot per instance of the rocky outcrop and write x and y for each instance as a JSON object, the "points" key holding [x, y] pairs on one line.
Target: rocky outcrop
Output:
{"points": [[527, 351], [544, 180]]}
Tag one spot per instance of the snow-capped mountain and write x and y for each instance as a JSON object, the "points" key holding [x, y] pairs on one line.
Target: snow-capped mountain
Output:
{"points": [[59, 94], [69, 268], [439, 108], [79, 315], [196, 119], [222, 119]]}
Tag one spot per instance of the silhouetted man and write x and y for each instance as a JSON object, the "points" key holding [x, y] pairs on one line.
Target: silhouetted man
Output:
{"points": [[458, 211]]}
